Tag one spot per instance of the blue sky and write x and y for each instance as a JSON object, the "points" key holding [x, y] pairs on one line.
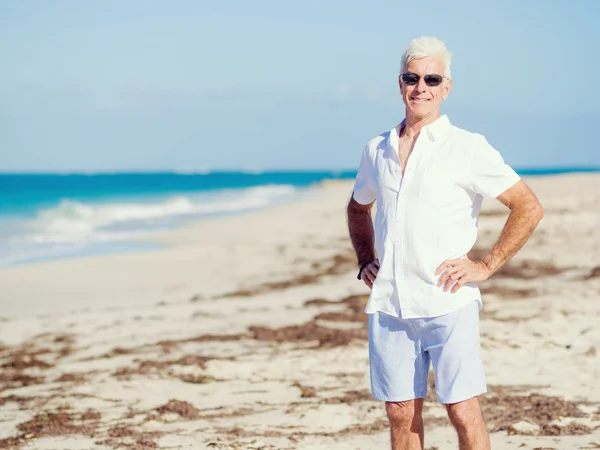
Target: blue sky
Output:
{"points": [[195, 85]]}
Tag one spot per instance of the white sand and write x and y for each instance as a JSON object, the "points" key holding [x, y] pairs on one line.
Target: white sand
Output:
{"points": [[547, 339]]}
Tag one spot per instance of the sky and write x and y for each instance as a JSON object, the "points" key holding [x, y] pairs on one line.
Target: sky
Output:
{"points": [[103, 86]]}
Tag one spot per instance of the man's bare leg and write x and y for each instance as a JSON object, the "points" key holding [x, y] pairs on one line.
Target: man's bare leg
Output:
{"points": [[406, 424], [469, 424]]}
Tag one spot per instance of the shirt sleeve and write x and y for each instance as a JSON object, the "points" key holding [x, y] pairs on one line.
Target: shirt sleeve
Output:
{"points": [[490, 176], [364, 185]]}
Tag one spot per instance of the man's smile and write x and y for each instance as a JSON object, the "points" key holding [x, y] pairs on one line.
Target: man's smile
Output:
{"points": [[419, 100]]}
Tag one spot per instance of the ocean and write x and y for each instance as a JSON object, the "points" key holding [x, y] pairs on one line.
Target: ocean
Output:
{"points": [[55, 216]]}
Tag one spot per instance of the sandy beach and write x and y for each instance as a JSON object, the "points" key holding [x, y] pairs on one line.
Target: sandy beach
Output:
{"points": [[248, 332]]}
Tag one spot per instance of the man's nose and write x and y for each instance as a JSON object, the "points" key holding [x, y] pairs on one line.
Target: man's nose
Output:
{"points": [[421, 85]]}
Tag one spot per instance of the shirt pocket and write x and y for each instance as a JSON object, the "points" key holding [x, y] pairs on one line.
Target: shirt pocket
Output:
{"points": [[440, 187], [438, 195]]}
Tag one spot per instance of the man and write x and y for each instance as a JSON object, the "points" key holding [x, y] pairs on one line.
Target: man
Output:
{"points": [[429, 179]]}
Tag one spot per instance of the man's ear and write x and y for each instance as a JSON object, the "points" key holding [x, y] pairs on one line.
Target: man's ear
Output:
{"points": [[447, 89]]}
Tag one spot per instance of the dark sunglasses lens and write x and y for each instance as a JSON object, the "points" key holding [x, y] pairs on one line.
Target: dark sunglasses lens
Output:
{"points": [[410, 78], [433, 80]]}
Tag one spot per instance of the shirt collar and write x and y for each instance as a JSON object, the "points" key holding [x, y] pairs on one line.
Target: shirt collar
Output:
{"points": [[435, 131]]}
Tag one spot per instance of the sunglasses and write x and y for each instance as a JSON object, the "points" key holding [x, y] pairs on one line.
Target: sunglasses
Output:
{"points": [[411, 79]]}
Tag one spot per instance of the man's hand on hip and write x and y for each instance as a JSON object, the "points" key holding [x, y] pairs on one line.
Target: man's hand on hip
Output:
{"points": [[369, 273], [460, 271]]}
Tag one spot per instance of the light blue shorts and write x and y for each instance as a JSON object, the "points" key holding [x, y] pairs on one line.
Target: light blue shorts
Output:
{"points": [[401, 350]]}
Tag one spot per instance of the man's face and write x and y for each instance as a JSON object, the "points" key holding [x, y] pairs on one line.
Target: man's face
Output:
{"points": [[421, 100]]}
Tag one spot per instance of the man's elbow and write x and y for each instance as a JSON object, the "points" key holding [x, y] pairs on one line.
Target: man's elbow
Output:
{"points": [[536, 211]]}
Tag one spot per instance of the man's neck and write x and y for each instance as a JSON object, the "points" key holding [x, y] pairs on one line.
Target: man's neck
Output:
{"points": [[412, 125]]}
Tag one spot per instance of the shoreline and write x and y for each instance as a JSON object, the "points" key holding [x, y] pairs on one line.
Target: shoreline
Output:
{"points": [[144, 240], [150, 240]]}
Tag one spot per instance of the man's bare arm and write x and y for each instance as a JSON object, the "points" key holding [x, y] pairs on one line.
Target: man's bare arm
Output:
{"points": [[362, 235], [525, 214], [360, 226]]}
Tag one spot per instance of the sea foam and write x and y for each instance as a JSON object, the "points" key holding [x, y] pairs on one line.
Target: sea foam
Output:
{"points": [[71, 225]]}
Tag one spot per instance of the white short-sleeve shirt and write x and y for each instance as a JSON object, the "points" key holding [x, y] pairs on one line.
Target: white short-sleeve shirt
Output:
{"points": [[427, 216]]}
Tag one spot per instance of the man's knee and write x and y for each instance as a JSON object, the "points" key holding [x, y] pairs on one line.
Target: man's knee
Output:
{"points": [[465, 413], [402, 413]]}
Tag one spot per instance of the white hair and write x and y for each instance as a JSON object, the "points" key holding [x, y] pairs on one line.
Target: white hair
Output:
{"points": [[424, 47]]}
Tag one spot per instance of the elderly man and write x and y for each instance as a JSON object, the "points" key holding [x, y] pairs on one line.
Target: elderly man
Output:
{"points": [[429, 179]]}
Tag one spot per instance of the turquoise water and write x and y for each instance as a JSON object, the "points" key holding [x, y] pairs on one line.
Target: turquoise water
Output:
{"points": [[25, 194], [51, 216]]}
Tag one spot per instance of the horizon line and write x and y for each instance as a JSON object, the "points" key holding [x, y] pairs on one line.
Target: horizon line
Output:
{"points": [[573, 168]]}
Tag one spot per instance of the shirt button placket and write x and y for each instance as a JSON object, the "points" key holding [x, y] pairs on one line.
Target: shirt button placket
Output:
{"points": [[401, 208], [399, 242], [400, 218]]}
